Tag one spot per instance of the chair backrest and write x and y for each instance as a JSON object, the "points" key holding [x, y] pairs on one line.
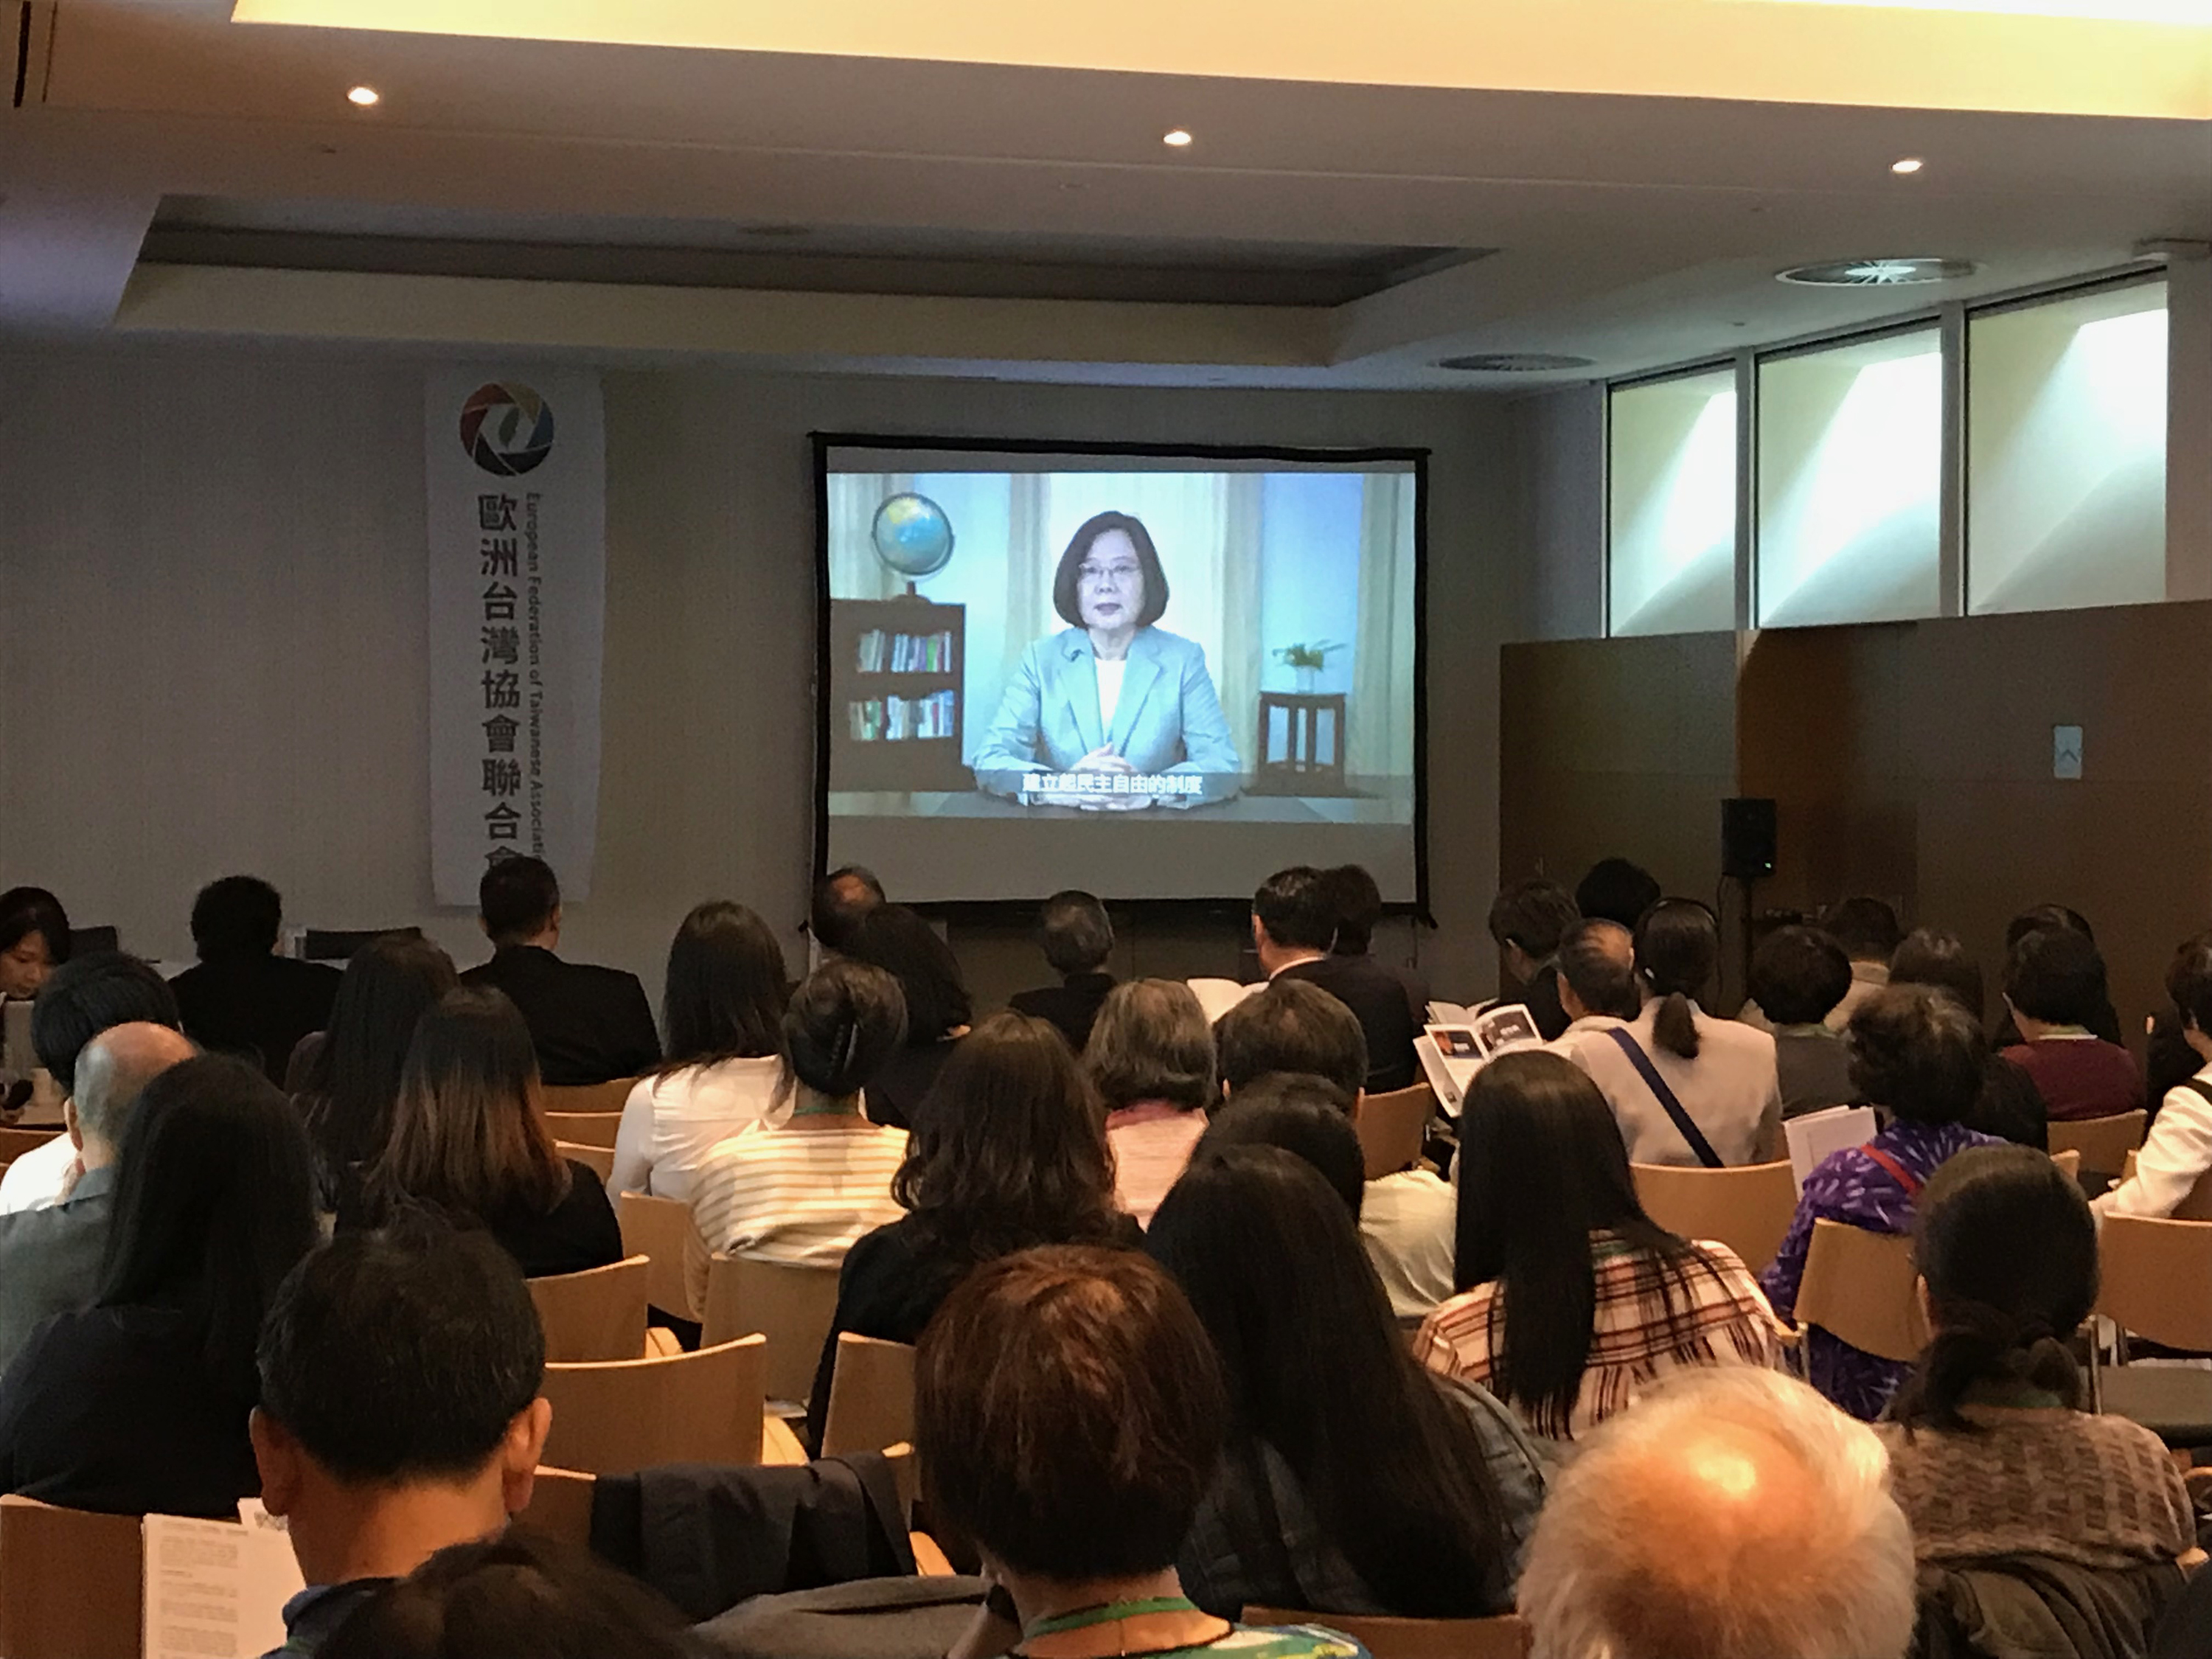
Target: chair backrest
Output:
{"points": [[1391, 1127], [1858, 1287], [599, 1160], [2069, 1164], [609, 1097], [1509, 1638], [598, 1314], [1747, 1208], [2157, 1279], [14, 1143], [70, 1582], [2103, 1142], [661, 1230], [620, 1416], [560, 1504], [790, 1306], [585, 1128], [344, 943], [870, 1396]]}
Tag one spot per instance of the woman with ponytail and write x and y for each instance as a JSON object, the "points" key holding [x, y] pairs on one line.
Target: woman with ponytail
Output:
{"points": [[1990, 1452]]}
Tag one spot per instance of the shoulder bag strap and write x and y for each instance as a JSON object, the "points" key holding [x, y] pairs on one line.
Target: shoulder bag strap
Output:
{"points": [[1903, 1176], [1668, 1103]]}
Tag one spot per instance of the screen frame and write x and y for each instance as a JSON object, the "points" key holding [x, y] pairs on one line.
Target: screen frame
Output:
{"points": [[1003, 910]]}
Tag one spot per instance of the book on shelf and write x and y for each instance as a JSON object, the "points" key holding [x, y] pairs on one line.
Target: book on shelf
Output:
{"points": [[897, 719], [877, 652]]}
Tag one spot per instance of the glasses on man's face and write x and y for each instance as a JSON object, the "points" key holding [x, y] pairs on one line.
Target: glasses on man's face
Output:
{"points": [[1101, 575]]}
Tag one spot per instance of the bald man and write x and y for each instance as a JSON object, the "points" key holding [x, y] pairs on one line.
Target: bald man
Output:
{"points": [[1732, 1514], [50, 1258]]}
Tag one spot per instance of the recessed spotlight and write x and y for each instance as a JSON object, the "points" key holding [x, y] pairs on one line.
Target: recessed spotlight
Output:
{"points": [[1175, 138], [1908, 164], [364, 97], [1878, 273]]}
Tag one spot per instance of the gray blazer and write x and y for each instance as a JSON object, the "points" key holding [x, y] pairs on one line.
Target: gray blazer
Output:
{"points": [[50, 1259]]}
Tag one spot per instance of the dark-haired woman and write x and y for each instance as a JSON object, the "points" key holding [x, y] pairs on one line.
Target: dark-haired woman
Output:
{"points": [[1990, 1452], [723, 1014], [469, 1139], [1916, 1053], [139, 1403], [35, 940], [1355, 1482], [938, 1009], [1685, 1088], [1009, 1150], [2011, 1106], [1572, 1299]]}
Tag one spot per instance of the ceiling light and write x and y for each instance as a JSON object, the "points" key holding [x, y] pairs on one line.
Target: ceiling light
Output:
{"points": [[1514, 362], [1909, 164], [1878, 273], [1175, 138], [365, 97]]}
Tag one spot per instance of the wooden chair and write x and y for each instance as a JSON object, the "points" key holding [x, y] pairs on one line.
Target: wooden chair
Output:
{"points": [[600, 1160], [2103, 1142], [72, 1583], [14, 1143], [598, 1314], [660, 1230], [585, 1128], [619, 1416], [595, 1098], [793, 1307], [2157, 1284], [1392, 1128], [870, 1396], [1509, 1638], [1749, 1208], [2197, 1206], [2069, 1165], [1859, 1288], [560, 1504]]}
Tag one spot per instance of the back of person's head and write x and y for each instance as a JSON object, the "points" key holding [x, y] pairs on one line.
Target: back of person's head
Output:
{"points": [[1297, 908], [1318, 1370], [1929, 955], [1616, 889], [1798, 975], [1288, 1025], [2008, 1249], [845, 1022], [114, 1070], [1302, 1113], [1069, 1411], [1678, 945], [520, 1596], [402, 1356], [896, 940], [1358, 904], [25, 911], [88, 994], [1867, 928], [236, 916], [2045, 918], [1917, 1053], [841, 899], [1730, 1514], [2056, 976], [2189, 983], [1074, 931], [468, 1134], [353, 1081], [1008, 1148], [1531, 916], [1151, 1042], [517, 899], [1597, 961], [723, 995], [215, 1203]]}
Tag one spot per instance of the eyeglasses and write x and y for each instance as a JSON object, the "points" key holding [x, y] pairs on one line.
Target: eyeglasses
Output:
{"points": [[1119, 576]]}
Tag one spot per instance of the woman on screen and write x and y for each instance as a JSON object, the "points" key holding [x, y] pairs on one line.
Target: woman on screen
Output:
{"points": [[1112, 693]]}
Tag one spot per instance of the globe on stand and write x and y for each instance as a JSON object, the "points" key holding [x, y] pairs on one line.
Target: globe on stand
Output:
{"points": [[912, 535]]}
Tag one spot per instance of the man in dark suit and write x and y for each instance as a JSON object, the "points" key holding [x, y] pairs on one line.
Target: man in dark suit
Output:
{"points": [[589, 1025], [1076, 938], [1293, 925], [243, 999]]}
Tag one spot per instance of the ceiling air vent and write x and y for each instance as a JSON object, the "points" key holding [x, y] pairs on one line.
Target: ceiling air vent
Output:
{"points": [[1514, 362], [1878, 273]]}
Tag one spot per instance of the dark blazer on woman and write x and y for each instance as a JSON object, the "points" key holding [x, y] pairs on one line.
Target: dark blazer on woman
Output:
{"points": [[579, 1232]]}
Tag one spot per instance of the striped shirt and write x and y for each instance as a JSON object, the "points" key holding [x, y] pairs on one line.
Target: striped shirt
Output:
{"points": [[801, 1196]]}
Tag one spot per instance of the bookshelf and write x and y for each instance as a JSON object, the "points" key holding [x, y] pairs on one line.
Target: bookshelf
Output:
{"points": [[895, 671]]}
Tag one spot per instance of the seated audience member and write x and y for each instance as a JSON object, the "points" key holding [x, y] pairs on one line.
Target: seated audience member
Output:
{"points": [[1302, 1113], [2178, 1152], [1572, 1299], [1598, 980], [352, 1079], [1528, 920], [1991, 1453], [1288, 1025], [1151, 1058], [841, 899], [1916, 1056], [50, 1259], [1008, 1150], [1078, 939], [469, 1139], [1734, 1515], [2054, 986], [35, 940], [2105, 1023], [938, 1008], [243, 999], [399, 1410], [590, 1024], [85, 996], [722, 1007], [1395, 1491], [1096, 1355], [2009, 1107], [139, 1402], [1686, 1088], [1357, 903], [1867, 931], [1798, 976], [803, 1190], [1293, 925], [1616, 891]]}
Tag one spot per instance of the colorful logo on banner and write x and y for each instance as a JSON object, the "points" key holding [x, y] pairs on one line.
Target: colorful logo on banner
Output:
{"points": [[507, 429]]}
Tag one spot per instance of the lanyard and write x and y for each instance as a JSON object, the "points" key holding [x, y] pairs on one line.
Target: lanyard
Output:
{"points": [[1084, 1617]]}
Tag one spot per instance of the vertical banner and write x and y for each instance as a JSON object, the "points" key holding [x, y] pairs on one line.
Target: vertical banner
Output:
{"points": [[515, 474]]}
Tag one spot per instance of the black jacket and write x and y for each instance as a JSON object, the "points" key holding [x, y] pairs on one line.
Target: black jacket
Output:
{"points": [[257, 1007], [1385, 1011], [589, 1025], [1072, 1006]]}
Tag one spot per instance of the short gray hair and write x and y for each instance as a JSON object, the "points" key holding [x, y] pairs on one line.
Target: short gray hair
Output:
{"points": [[1151, 1042], [1635, 1553]]}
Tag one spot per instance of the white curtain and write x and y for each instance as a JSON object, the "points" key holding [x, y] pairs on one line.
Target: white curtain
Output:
{"points": [[1380, 741]]}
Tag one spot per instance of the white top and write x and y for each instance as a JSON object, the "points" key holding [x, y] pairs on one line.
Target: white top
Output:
{"points": [[35, 1181], [801, 1196], [1110, 688], [669, 1124], [2175, 1156], [1730, 1090], [1409, 1221]]}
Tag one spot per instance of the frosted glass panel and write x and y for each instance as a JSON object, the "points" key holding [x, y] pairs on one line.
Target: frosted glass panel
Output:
{"points": [[1851, 456], [2066, 453], [1671, 548]]}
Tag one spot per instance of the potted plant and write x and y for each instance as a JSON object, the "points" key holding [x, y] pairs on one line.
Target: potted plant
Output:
{"points": [[1307, 660]]}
